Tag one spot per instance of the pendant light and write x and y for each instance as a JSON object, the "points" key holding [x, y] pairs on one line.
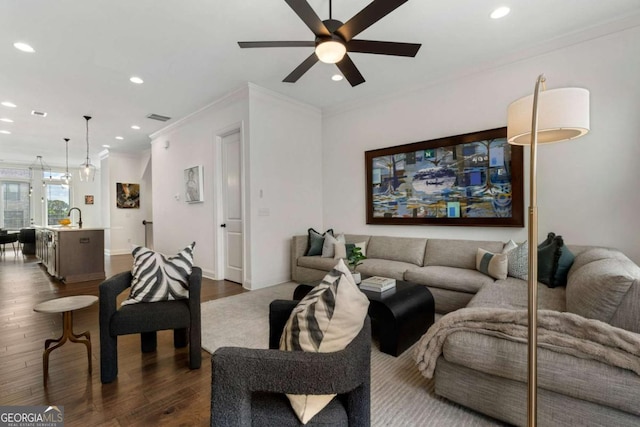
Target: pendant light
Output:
{"points": [[87, 170], [67, 176]]}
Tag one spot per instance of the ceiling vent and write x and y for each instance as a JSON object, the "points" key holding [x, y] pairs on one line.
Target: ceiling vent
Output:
{"points": [[38, 113], [158, 117]]}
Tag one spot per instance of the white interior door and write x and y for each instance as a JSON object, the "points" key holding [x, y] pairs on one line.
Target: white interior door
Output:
{"points": [[232, 207]]}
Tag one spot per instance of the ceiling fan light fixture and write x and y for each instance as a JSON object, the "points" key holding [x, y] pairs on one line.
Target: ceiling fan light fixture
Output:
{"points": [[330, 51]]}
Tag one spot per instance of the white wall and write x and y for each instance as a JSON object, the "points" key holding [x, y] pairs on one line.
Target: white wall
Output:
{"points": [[125, 225], [91, 214], [281, 173], [587, 189], [192, 142], [285, 177]]}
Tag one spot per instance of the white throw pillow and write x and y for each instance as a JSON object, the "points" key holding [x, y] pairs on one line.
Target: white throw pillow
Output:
{"points": [[494, 265], [328, 246], [326, 320]]}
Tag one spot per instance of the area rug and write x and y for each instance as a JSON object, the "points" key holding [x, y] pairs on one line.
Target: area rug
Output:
{"points": [[400, 395]]}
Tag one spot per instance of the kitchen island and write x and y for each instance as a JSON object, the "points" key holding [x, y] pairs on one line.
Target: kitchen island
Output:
{"points": [[71, 254]]}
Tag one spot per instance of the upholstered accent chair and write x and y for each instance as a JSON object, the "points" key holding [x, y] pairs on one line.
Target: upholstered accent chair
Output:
{"points": [[249, 385], [183, 316], [6, 238]]}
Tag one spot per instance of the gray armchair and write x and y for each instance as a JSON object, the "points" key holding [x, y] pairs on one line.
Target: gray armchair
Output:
{"points": [[248, 385], [183, 316]]}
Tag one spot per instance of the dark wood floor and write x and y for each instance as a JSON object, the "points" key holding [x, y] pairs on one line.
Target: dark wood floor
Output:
{"points": [[151, 389]]}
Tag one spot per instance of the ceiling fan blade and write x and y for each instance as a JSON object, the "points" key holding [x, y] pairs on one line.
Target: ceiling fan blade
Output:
{"points": [[309, 17], [301, 69], [350, 72], [383, 48], [368, 16], [277, 44]]}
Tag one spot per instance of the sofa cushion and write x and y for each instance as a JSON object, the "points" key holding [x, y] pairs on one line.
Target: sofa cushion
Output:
{"points": [[493, 265], [595, 254], [405, 249], [457, 253], [586, 379], [357, 238], [316, 240], [384, 268], [518, 261], [598, 289], [326, 320], [317, 262], [455, 279], [328, 246], [157, 277], [554, 261], [513, 294]]}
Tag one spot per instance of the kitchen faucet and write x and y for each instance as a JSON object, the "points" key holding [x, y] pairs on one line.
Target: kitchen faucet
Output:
{"points": [[80, 220]]}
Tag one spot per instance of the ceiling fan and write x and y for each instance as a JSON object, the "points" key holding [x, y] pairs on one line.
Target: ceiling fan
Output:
{"points": [[333, 39]]}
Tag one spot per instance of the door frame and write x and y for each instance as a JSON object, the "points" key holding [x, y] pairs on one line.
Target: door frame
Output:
{"points": [[218, 217]]}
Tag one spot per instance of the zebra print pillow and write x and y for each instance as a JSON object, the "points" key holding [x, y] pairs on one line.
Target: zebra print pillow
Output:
{"points": [[160, 278], [326, 320]]}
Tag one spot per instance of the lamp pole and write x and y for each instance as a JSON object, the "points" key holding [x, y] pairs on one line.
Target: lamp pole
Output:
{"points": [[532, 310]]}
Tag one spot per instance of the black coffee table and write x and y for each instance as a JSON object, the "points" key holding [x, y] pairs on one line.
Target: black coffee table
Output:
{"points": [[399, 316]]}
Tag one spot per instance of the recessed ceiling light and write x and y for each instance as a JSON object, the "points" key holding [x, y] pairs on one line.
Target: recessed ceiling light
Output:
{"points": [[336, 77], [119, 138], [136, 80], [6, 120], [9, 104], [106, 145], [136, 127], [6, 132], [24, 47], [500, 12]]}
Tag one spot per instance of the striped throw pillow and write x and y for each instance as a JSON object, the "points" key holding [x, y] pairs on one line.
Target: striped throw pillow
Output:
{"points": [[160, 278], [494, 265], [327, 319]]}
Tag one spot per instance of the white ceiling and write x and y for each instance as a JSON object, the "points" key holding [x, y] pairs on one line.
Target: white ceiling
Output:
{"points": [[187, 54]]}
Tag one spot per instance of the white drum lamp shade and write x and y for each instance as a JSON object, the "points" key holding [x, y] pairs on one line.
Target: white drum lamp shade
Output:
{"points": [[563, 114]]}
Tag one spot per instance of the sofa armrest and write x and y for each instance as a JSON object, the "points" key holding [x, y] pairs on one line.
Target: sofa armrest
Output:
{"points": [[298, 248]]}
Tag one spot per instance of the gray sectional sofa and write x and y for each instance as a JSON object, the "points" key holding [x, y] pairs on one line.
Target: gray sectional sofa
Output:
{"points": [[487, 371]]}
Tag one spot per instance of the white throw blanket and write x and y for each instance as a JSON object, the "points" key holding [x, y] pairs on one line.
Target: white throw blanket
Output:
{"points": [[560, 332]]}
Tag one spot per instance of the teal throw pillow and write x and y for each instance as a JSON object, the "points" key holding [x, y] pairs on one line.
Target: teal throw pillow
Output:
{"points": [[554, 261], [316, 240]]}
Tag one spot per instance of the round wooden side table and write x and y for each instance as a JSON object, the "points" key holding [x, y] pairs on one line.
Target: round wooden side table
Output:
{"points": [[66, 306]]}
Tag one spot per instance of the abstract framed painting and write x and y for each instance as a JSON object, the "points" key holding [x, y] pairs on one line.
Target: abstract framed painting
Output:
{"points": [[474, 179]]}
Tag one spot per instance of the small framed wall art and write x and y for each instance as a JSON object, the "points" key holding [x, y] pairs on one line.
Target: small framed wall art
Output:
{"points": [[193, 183], [127, 195], [88, 199]]}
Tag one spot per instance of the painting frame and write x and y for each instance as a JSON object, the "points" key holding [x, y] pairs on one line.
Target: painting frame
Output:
{"points": [[127, 195], [483, 189], [194, 184]]}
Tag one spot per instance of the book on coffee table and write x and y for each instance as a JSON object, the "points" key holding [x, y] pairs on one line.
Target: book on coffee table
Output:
{"points": [[377, 283]]}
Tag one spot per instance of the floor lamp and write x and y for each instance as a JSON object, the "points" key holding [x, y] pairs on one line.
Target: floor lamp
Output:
{"points": [[546, 116]]}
